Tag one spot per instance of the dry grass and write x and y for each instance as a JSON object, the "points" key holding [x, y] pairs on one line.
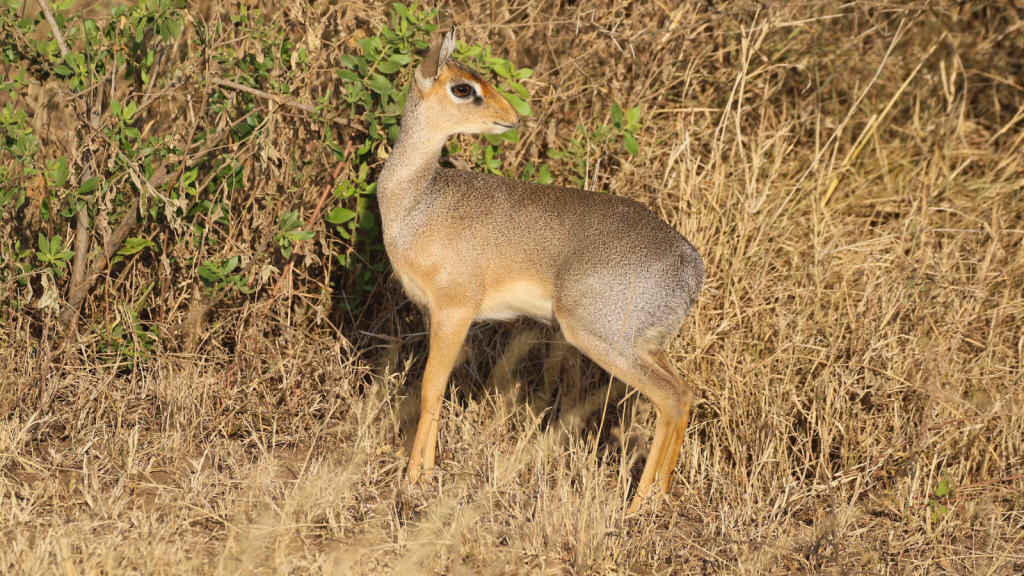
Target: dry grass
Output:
{"points": [[860, 339]]}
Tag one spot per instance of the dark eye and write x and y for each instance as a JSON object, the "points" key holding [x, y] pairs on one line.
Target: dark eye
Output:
{"points": [[463, 90]]}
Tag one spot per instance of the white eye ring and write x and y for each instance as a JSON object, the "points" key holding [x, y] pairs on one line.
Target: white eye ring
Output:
{"points": [[457, 87]]}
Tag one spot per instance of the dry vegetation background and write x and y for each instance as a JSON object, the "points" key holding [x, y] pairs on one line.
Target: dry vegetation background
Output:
{"points": [[853, 175]]}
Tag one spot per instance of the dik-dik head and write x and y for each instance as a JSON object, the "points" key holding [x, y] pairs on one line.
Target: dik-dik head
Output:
{"points": [[457, 100]]}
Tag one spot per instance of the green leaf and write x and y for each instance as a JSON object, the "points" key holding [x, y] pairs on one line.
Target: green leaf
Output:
{"points": [[58, 172], [134, 245], [343, 190], [544, 175], [389, 67], [369, 49], [520, 89], [518, 103], [523, 73], [633, 116], [89, 185], [55, 245], [174, 28], [44, 244], [616, 115], [340, 215], [632, 146], [347, 75], [62, 70], [350, 61], [208, 273], [115, 108], [366, 220], [502, 69], [379, 84], [510, 136]]}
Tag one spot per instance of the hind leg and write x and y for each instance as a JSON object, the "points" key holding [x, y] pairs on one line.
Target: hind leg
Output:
{"points": [[645, 366], [672, 399], [676, 439]]}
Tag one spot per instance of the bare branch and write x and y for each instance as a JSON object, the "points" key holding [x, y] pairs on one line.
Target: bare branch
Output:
{"points": [[48, 13], [281, 100], [78, 283]]}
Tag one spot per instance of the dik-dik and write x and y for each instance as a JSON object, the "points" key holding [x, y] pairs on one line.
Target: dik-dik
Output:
{"points": [[469, 246]]}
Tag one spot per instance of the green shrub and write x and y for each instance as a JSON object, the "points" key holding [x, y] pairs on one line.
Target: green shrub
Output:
{"points": [[199, 149]]}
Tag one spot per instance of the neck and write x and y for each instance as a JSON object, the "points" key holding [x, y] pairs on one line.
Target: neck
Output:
{"points": [[403, 184]]}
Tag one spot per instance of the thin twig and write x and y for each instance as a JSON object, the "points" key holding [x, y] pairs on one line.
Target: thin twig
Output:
{"points": [[281, 100]]}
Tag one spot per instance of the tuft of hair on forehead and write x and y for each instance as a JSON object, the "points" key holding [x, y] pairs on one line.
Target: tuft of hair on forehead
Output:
{"points": [[463, 70]]}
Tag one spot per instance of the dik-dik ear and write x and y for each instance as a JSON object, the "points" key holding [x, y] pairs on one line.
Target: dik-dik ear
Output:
{"points": [[427, 71]]}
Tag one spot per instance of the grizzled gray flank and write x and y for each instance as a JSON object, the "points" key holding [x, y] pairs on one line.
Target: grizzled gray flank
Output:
{"points": [[468, 246]]}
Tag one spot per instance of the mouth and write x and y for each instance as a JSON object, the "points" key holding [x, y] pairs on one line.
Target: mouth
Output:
{"points": [[506, 126]]}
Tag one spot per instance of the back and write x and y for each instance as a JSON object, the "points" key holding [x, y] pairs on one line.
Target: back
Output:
{"points": [[517, 215]]}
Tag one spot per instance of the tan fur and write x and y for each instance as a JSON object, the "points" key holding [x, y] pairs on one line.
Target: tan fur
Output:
{"points": [[469, 246], [517, 298]]}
